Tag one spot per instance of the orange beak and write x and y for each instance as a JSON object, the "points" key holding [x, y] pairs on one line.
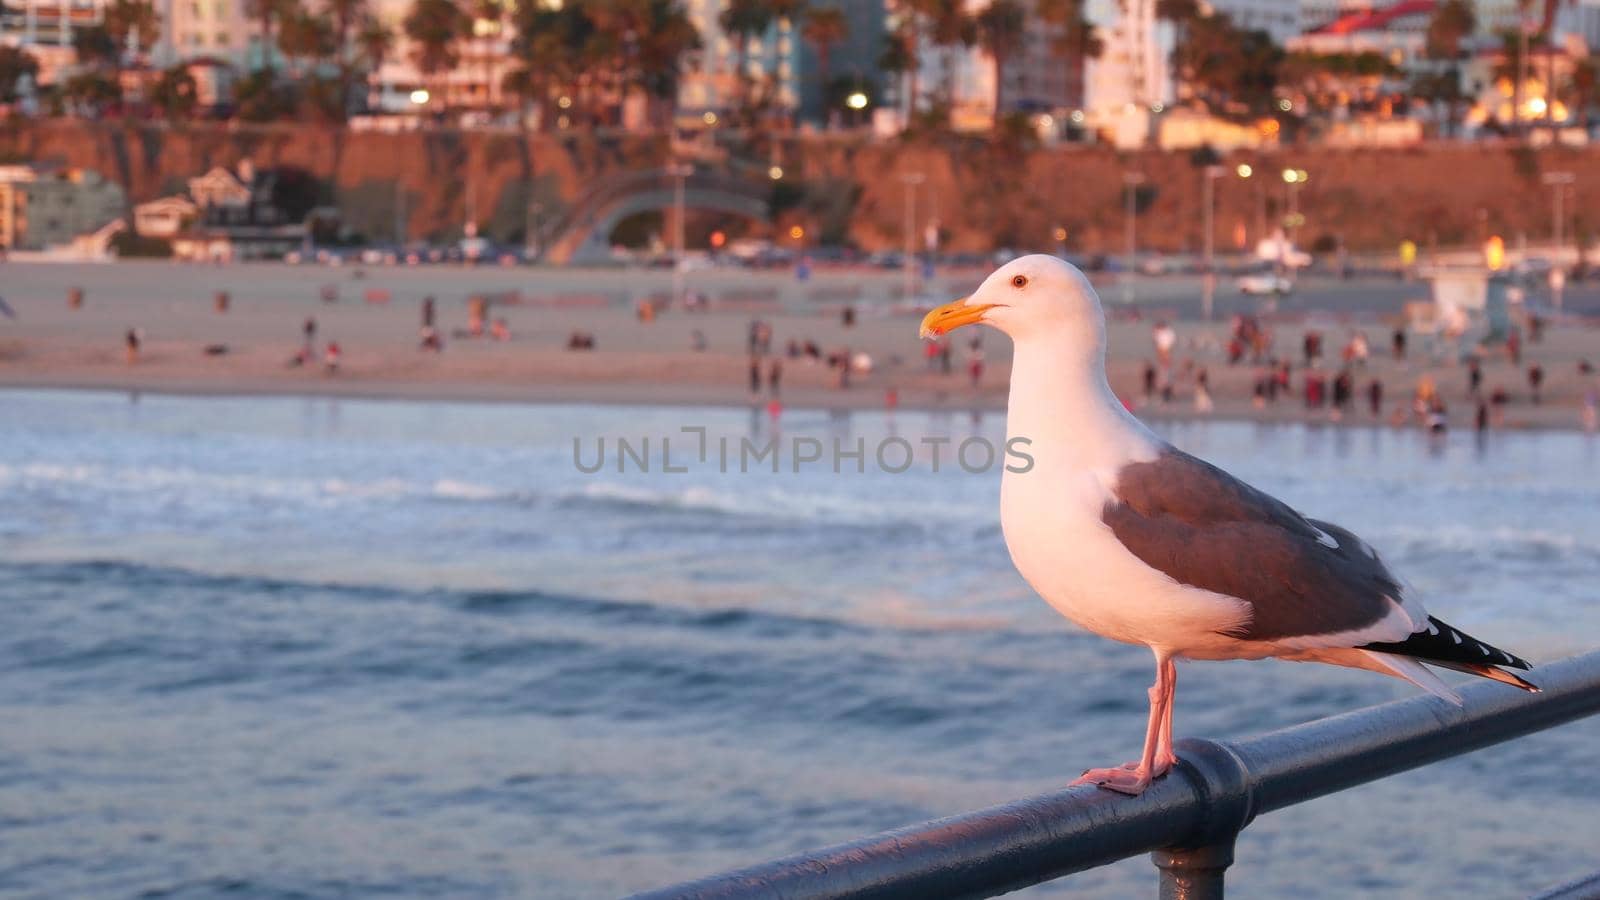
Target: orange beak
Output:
{"points": [[951, 316]]}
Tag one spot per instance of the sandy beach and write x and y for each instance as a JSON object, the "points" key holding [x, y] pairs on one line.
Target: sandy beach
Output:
{"points": [[375, 319]]}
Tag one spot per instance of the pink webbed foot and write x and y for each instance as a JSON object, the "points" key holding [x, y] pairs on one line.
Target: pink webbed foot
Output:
{"points": [[1127, 778]]}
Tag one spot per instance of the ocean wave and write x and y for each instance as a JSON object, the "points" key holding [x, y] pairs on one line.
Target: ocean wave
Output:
{"points": [[773, 504], [1499, 541], [752, 501], [180, 480]]}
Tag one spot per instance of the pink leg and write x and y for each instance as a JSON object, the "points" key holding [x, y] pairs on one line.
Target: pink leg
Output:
{"points": [[1133, 778], [1166, 757]]}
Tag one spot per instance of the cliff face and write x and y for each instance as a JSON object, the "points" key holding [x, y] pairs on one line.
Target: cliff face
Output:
{"points": [[982, 196]]}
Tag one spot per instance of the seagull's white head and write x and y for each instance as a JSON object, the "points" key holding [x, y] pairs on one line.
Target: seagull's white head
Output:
{"points": [[1034, 297]]}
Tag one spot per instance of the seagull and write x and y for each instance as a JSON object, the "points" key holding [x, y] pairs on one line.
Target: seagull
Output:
{"points": [[1139, 542]]}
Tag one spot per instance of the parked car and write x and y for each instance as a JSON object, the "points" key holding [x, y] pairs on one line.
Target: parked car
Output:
{"points": [[1265, 283]]}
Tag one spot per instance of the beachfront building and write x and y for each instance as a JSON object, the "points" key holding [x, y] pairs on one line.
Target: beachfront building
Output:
{"points": [[236, 214], [473, 85], [853, 63], [46, 28], [711, 85], [41, 206], [1131, 81], [961, 80], [221, 30], [164, 218], [1282, 20]]}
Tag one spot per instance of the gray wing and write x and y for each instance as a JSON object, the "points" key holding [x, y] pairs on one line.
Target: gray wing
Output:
{"points": [[1207, 529]]}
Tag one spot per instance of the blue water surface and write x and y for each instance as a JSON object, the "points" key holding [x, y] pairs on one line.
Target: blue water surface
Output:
{"points": [[286, 647]]}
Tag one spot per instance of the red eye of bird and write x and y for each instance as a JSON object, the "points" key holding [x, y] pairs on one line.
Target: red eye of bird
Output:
{"points": [[1020, 281]]}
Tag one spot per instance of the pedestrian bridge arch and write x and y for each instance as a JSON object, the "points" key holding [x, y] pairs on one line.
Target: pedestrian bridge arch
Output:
{"points": [[584, 236]]}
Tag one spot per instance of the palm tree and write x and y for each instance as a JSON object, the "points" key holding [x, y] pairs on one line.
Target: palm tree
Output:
{"points": [[266, 12], [348, 15], [667, 38], [132, 25], [1452, 22], [175, 93], [742, 20], [1585, 77], [305, 39], [553, 50], [1001, 27], [374, 41], [481, 26], [15, 65], [434, 26], [899, 56], [824, 27], [951, 28]]}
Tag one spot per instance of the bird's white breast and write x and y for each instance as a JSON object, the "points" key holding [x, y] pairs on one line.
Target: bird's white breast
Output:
{"points": [[1062, 547]]}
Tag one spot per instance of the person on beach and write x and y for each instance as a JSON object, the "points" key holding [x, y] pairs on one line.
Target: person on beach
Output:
{"points": [[1474, 376], [1375, 397], [1398, 341], [131, 344], [1149, 382], [330, 358], [1343, 391], [774, 376], [308, 333], [427, 311], [1514, 346], [1498, 398], [1164, 339], [500, 330], [1316, 384], [1481, 418], [1202, 391], [1311, 344], [1355, 351], [1591, 409], [1535, 380], [1437, 419], [431, 340], [755, 376]]}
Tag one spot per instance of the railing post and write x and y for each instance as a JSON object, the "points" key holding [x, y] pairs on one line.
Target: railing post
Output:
{"points": [[1193, 874], [1195, 871]]}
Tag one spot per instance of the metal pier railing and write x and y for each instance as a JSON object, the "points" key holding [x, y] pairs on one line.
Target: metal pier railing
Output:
{"points": [[1188, 820]]}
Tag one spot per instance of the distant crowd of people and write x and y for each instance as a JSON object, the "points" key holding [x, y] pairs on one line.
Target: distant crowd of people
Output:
{"points": [[1336, 390]]}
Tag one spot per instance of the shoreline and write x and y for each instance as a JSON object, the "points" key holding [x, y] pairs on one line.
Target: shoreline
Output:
{"points": [[689, 396]]}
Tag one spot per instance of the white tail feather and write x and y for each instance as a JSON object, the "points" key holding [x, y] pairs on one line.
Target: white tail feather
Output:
{"points": [[1416, 673]]}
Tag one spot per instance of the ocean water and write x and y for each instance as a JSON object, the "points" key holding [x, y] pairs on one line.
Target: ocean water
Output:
{"points": [[286, 647]]}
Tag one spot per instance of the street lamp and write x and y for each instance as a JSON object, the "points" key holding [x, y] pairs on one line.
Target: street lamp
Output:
{"points": [[1293, 179], [1130, 183], [856, 101], [419, 97], [1558, 182], [1209, 285], [911, 180], [678, 172]]}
